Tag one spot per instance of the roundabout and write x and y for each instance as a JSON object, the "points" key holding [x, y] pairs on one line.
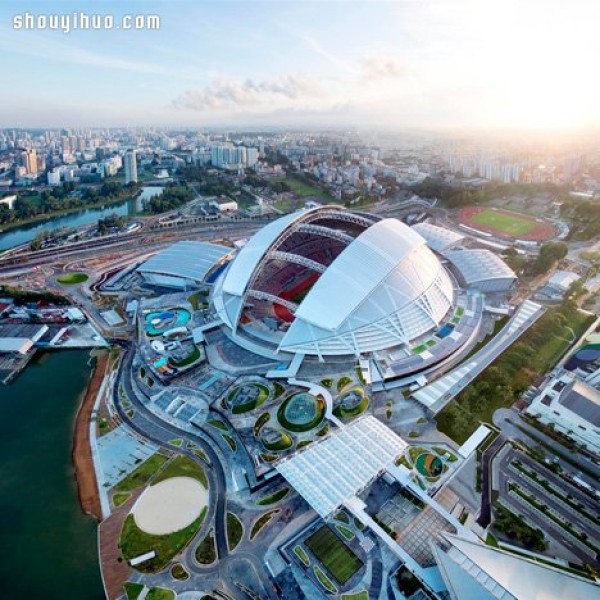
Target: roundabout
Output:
{"points": [[170, 505]]}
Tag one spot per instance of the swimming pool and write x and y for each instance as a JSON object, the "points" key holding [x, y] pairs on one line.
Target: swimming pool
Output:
{"points": [[161, 321]]}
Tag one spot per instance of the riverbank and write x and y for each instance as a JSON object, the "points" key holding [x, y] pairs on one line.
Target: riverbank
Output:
{"points": [[85, 474], [39, 219]]}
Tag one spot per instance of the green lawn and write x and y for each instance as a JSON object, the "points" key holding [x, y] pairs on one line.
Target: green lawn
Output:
{"points": [[230, 441], [217, 424], [335, 556], [301, 554], [362, 595], [72, 278], [261, 522], [343, 382], [120, 498], [206, 553], [134, 542], [298, 428], [511, 224], [235, 530], [324, 580], [183, 466], [178, 571], [283, 443], [274, 497], [158, 593], [303, 188], [133, 590], [142, 474], [346, 533]]}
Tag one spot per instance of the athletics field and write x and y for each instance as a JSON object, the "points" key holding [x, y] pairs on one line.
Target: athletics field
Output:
{"points": [[506, 224]]}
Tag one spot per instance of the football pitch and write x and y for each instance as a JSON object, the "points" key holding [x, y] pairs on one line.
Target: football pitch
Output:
{"points": [[511, 224], [334, 555]]}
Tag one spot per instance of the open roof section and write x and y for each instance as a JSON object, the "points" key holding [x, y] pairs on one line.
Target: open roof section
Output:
{"points": [[334, 470]]}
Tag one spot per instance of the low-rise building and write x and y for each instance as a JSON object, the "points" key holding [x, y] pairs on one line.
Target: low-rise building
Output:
{"points": [[571, 407]]}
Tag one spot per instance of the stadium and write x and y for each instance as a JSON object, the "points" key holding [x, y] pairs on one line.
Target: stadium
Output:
{"points": [[327, 282]]}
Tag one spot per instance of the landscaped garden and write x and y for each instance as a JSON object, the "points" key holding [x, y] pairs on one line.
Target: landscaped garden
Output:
{"points": [[206, 553], [502, 383], [135, 542], [301, 412], [351, 404], [235, 530], [142, 474], [246, 397]]}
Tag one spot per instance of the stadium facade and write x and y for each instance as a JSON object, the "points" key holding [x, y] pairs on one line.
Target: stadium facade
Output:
{"points": [[328, 282]]}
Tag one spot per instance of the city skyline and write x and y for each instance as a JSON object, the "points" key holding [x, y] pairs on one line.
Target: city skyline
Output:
{"points": [[429, 65]]}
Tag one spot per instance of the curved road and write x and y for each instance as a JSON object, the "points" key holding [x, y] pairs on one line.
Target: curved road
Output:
{"points": [[149, 426]]}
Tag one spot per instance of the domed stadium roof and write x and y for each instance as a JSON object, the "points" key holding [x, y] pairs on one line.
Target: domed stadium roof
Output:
{"points": [[333, 282]]}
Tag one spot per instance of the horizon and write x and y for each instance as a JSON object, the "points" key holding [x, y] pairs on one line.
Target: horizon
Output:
{"points": [[460, 66]]}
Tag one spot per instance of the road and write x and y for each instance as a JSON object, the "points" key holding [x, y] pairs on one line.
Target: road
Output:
{"points": [[508, 419], [485, 514], [508, 473], [149, 426]]}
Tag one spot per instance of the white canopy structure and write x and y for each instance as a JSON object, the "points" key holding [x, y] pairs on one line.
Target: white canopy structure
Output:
{"points": [[482, 269], [333, 471], [371, 284], [439, 239], [182, 265]]}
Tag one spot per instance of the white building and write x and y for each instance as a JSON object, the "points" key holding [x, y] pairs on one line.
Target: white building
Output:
{"points": [[130, 167], [482, 270], [224, 204], [183, 265], [54, 176], [561, 281], [571, 407]]}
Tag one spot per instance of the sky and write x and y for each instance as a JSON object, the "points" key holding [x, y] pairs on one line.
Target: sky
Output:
{"points": [[431, 64]]}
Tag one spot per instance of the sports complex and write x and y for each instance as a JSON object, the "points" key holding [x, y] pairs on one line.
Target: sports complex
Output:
{"points": [[506, 224], [328, 284]]}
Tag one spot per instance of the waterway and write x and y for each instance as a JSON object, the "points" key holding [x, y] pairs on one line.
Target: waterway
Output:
{"points": [[25, 233], [48, 547]]}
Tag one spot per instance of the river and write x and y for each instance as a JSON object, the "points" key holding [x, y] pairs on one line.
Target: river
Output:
{"points": [[48, 547], [25, 233]]}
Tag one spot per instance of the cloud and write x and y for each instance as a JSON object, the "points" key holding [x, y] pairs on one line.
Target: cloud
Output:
{"points": [[225, 94], [377, 67]]}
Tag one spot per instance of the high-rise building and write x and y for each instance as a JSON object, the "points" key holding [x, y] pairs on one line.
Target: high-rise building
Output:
{"points": [[130, 167], [30, 160]]}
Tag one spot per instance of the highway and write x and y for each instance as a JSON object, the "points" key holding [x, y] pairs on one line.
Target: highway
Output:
{"points": [[124, 242]]}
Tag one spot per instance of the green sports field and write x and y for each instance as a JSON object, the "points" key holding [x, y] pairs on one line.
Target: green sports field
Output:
{"points": [[334, 555], [510, 224]]}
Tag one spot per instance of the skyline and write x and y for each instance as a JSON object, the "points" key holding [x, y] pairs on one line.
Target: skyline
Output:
{"points": [[429, 65]]}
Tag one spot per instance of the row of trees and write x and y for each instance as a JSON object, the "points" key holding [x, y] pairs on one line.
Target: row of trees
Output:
{"points": [[550, 253], [63, 197], [507, 378], [173, 197]]}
